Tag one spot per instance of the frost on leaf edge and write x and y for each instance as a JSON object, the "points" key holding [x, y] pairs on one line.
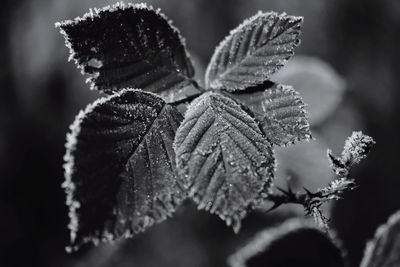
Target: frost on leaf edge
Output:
{"points": [[380, 232], [95, 13], [263, 239], [309, 136], [69, 162], [302, 106], [242, 25], [356, 147], [69, 186]]}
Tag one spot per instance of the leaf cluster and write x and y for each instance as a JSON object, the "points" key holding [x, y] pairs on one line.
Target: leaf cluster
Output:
{"points": [[132, 157]]}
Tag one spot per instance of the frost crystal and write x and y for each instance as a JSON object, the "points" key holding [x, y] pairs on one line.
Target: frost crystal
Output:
{"points": [[356, 148]]}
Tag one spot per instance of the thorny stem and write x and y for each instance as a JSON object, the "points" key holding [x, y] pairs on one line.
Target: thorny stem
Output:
{"points": [[355, 149], [312, 202]]}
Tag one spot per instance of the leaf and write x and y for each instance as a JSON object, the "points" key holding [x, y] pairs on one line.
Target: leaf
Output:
{"points": [[383, 250], [318, 83], [128, 46], [356, 148], [279, 110], [294, 243], [224, 160], [120, 167], [253, 51]]}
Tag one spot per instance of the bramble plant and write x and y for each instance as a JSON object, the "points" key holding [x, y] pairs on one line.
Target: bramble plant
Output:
{"points": [[132, 157]]}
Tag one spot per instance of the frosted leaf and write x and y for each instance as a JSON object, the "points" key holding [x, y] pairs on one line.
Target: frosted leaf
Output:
{"points": [[223, 158], [321, 87], [120, 167], [356, 148], [294, 243], [280, 111], [383, 250], [129, 45], [253, 51]]}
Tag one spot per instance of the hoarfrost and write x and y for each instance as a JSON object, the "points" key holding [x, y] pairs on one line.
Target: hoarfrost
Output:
{"points": [[356, 148]]}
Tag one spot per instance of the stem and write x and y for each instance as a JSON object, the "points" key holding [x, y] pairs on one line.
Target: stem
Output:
{"points": [[312, 201], [355, 149], [189, 98], [186, 99], [197, 86]]}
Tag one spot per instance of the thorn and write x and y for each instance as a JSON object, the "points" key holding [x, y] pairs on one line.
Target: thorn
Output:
{"points": [[353, 185], [290, 191], [275, 206], [309, 193], [282, 190]]}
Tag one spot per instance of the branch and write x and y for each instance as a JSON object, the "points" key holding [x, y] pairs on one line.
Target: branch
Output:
{"points": [[356, 148], [312, 201]]}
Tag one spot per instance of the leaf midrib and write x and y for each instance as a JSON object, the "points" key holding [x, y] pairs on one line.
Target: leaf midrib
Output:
{"points": [[133, 151]]}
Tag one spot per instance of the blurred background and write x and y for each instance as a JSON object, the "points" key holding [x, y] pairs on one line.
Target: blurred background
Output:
{"points": [[347, 68]]}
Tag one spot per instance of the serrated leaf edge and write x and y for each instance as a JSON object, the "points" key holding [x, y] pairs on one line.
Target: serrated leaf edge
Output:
{"points": [[245, 23], [235, 221], [308, 137], [69, 186], [95, 13]]}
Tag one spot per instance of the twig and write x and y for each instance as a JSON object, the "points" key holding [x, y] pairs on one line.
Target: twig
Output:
{"points": [[312, 202], [356, 148]]}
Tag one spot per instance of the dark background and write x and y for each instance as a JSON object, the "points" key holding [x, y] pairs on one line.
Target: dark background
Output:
{"points": [[41, 93]]}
